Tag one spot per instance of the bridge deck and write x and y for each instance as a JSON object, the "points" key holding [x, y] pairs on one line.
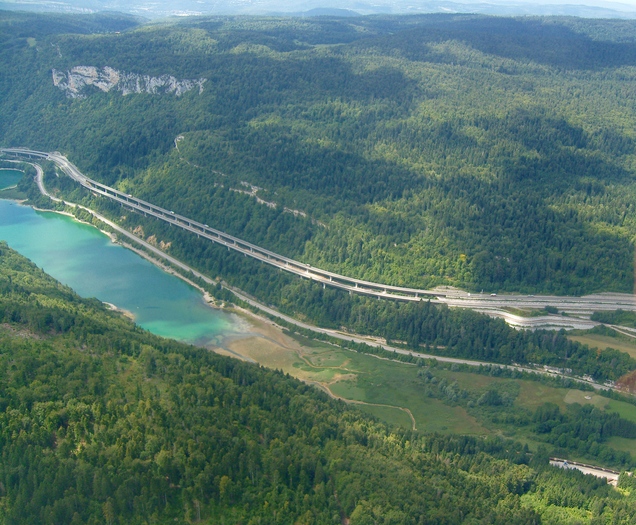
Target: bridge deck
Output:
{"points": [[325, 277]]}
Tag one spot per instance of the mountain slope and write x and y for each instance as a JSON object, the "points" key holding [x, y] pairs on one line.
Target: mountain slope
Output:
{"points": [[102, 422], [482, 152]]}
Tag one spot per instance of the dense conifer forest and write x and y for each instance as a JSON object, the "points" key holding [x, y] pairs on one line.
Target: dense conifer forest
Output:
{"points": [[492, 153], [102, 422]]}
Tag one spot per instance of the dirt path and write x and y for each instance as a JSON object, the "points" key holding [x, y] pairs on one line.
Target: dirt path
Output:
{"points": [[622, 330], [325, 387]]}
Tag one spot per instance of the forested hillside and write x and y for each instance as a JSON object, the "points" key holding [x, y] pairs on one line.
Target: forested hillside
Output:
{"points": [[483, 152], [101, 422], [426, 326]]}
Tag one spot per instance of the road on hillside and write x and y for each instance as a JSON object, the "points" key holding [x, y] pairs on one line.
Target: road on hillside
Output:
{"points": [[577, 309], [275, 313]]}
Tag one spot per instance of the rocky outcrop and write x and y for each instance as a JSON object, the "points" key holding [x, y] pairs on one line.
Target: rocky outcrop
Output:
{"points": [[75, 82]]}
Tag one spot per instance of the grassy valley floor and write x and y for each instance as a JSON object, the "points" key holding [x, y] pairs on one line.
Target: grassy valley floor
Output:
{"points": [[399, 393]]}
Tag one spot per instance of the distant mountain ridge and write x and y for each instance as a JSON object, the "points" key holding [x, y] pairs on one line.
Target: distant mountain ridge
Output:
{"points": [[311, 8]]}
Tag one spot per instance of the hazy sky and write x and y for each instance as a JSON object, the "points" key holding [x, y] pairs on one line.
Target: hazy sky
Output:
{"points": [[616, 5], [157, 8]]}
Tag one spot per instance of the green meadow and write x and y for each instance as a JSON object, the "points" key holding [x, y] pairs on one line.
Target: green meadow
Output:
{"points": [[399, 394]]}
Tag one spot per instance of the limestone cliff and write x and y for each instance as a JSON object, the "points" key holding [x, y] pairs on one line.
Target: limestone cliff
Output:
{"points": [[75, 82]]}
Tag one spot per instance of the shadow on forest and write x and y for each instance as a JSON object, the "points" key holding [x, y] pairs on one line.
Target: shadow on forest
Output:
{"points": [[540, 41]]}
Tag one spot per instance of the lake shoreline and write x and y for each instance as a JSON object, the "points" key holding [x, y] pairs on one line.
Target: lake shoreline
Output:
{"points": [[259, 327], [250, 326], [254, 326], [13, 181]]}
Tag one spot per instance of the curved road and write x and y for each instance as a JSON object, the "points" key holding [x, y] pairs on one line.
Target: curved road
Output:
{"points": [[332, 333], [578, 309], [327, 278]]}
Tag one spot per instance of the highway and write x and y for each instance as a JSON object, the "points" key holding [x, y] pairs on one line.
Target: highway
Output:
{"points": [[234, 243], [372, 341], [577, 309]]}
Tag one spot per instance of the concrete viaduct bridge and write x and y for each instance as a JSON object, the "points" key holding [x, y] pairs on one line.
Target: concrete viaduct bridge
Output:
{"points": [[325, 277]]}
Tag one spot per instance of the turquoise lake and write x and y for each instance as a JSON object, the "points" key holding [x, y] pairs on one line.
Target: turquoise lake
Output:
{"points": [[85, 259], [9, 178]]}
